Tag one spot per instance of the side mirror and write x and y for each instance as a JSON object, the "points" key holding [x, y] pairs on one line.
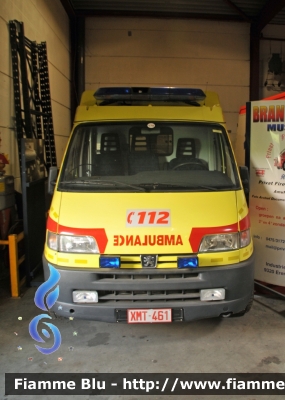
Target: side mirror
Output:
{"points": [[244, 174], [52, 177]]}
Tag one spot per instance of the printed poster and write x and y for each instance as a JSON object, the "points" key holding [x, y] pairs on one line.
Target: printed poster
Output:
{"points": [[267, 189]]}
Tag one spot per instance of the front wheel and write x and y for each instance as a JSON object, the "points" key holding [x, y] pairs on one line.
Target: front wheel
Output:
{"points": [[246, 310], [241, 313]]}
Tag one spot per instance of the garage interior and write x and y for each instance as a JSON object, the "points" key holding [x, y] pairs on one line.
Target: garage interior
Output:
{"points": [[225, 46]]}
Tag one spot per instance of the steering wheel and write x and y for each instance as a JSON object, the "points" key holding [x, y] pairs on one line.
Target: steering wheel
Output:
{"points": [[199, 165]]}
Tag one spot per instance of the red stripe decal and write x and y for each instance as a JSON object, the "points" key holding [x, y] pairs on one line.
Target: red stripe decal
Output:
{"points": [[244, 223], [198, 233], [51, 225], [99, 234]]}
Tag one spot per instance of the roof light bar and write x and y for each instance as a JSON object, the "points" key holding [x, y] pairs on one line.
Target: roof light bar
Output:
{"points": [[149, 93]]}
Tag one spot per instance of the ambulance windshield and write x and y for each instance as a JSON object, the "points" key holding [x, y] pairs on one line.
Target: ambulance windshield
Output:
{"points": [[148, 156]]}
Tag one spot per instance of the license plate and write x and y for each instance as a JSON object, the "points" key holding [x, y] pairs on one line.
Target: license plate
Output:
{"points": [[149, 316]]}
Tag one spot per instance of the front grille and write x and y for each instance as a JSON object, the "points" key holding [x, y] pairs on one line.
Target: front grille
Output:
{"points": [[149, 296], [139, 285], [163, 261], [145, 276]]}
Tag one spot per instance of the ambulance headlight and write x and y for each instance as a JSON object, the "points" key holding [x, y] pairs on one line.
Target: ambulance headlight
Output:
{"points": [[77, 244], [72, 243], [220, 242]]}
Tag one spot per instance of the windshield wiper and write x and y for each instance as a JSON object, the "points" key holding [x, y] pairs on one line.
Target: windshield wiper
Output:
{"points": [[155, 186], [101, 182]]}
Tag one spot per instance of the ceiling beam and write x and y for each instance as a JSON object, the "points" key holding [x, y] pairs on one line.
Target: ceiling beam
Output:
{"points": [[70, 11], [268, 12], [157, 14], [238, 10]]}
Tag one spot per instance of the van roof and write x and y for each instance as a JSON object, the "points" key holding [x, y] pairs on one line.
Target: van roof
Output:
{"points": [[123, 103]]}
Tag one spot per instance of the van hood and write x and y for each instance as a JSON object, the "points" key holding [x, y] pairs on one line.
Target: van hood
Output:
{"points": [[153, 223]]}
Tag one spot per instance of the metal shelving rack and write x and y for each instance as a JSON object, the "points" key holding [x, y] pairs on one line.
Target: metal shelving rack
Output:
{"points": [[33, 114], [32, 91]]}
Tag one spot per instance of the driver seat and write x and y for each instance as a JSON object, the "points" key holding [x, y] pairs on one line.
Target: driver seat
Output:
{"points": [[186, 154]]}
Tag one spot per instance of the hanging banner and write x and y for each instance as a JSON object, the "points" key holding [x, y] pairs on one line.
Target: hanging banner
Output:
{"points": [[267, 189]]}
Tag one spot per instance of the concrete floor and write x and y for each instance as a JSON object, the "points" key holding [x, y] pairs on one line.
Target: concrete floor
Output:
{"points": [[252, 343]]}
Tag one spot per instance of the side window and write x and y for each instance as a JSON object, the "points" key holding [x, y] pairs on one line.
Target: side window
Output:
{"points": [[229, 165], [226, 159], [81, 154], [71, 167]]}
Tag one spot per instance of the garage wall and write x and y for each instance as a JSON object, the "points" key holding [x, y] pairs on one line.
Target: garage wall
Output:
{"points": [[267, 48], [163, 52], [44, 21]]}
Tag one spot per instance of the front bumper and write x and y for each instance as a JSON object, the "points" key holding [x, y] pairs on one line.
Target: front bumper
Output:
{"points": [[123, 289]]}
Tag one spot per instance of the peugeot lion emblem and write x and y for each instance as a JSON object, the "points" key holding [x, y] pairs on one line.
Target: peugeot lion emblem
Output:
{"points": [[149, 261]]}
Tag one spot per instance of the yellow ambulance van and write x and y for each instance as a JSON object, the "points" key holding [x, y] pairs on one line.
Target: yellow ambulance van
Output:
{"points": [[149, 221]]}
